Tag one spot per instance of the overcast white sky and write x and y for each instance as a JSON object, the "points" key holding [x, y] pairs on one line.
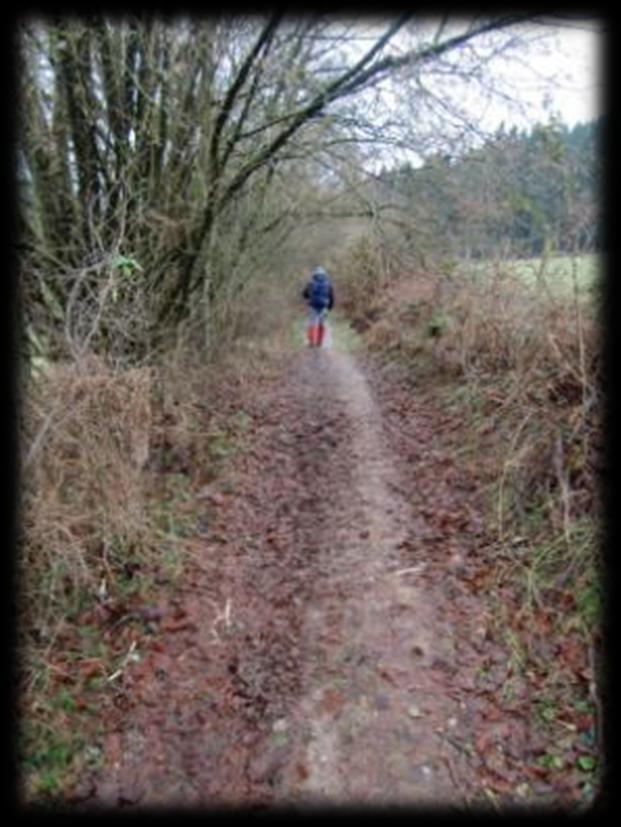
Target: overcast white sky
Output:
{"points": [[554, 70], [572, 66], [521, 77]]}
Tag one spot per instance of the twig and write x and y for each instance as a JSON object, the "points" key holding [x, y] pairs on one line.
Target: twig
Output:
{"points": [[506, 466], [73, 296], [579, 331], [456, 781], [456, 744], [46, 655], [49, 420], [492, 797], [127, 616], [559, 467], [124, 663], [411, 569], [565, 361], [223, 616], [467, 798], [594, 695]]}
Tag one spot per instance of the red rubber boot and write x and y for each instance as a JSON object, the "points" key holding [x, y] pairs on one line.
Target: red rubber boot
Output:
{"points": [[311, 334], [320, 332]]}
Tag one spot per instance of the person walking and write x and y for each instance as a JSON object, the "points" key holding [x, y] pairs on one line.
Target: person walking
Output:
{"points": [[319, 296]]}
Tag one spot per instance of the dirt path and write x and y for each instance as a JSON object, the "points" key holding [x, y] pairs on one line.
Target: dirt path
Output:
{"points": [[310, 656], [365, 727]]}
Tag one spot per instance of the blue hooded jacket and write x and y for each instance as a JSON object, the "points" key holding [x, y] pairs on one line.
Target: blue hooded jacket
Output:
{"points": [[318, 292]]}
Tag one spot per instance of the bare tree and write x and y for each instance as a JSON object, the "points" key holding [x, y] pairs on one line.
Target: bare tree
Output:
{"points": [[158, 142]]}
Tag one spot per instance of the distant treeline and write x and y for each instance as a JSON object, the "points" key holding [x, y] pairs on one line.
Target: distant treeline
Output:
{"points": [[523, 192]]}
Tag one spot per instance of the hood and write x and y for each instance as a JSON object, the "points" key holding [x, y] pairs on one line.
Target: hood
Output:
{"points": [[319, 274]]}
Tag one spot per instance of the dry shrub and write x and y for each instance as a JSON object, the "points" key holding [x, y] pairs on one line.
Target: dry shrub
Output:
{"points": [[197, 407], [408, 319], [180, 399], [527, 366], [362, 280], [500, 325], [383, 335], [86, 442], [530, 364], [257, 311], [533, 364], [533, 361]]}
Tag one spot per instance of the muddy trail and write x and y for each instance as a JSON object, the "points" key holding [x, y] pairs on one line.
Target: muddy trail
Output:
{"points": [[325, 646]]}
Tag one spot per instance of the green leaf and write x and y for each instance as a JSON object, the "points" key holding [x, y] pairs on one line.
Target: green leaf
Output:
{"points": [[126, 264], [49, 782], [587, 790], [553, 762], [586, 763]]}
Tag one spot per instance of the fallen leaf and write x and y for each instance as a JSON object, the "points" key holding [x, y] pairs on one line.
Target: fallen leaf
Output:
{"points": [[91, 668], [414, 711]]}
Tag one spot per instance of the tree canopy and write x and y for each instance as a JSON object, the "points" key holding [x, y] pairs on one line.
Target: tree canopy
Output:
{"points": [[524, 191]]}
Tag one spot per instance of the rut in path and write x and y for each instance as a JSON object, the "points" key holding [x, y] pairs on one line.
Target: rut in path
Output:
{"points": [[306, 666]]}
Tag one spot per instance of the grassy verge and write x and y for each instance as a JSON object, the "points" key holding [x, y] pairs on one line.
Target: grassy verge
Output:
{"points": [[344, 337], [519, 368]]}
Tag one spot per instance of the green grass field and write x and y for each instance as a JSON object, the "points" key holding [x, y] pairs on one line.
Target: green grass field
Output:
{"points": [[557, 274]]}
